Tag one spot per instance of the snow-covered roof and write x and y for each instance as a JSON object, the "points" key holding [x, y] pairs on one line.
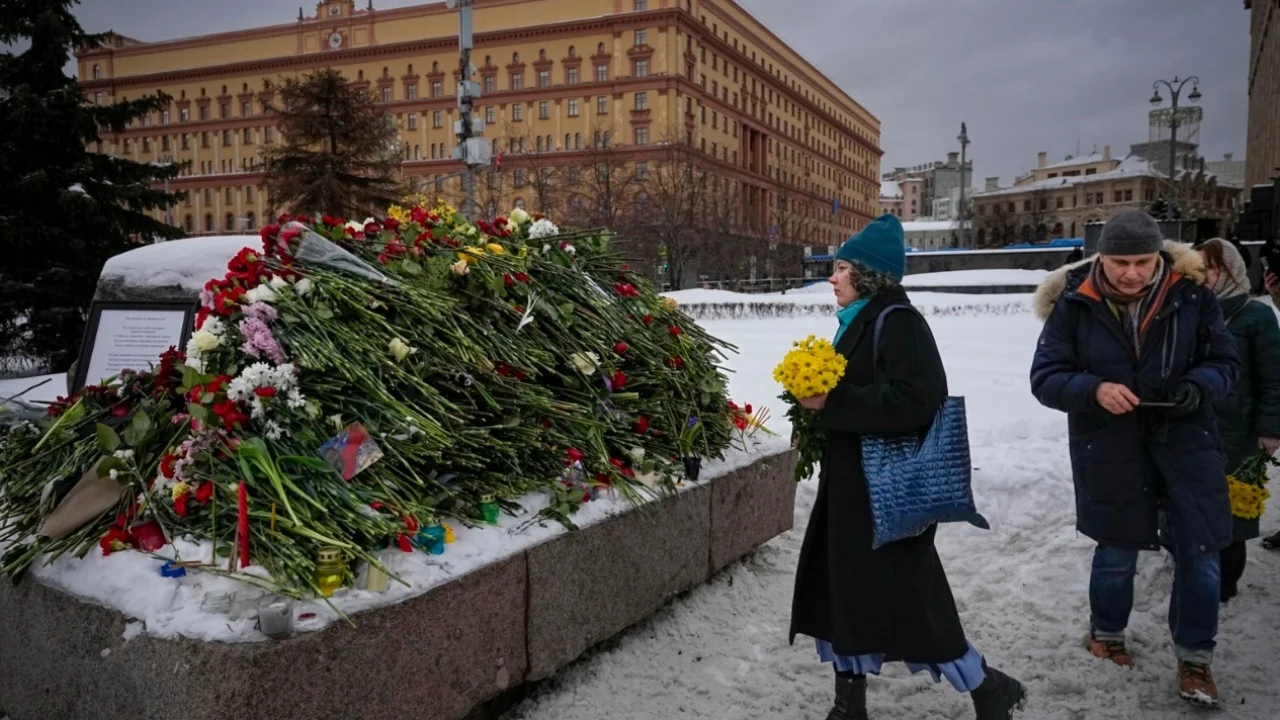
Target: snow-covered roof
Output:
{"points": [[889, 189], [1081, 160], [186, 263], [920, 226], [1129, 167]]}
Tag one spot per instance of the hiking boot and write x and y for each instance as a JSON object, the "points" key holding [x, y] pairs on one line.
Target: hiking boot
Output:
{"points": [[1113, 650], [1272, 542], [998, 697], [1196, 686], [851, 698]]}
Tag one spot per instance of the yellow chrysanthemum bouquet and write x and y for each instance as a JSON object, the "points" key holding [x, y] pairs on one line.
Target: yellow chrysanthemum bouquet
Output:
{"points": [[812, 367], [1247, 487]]}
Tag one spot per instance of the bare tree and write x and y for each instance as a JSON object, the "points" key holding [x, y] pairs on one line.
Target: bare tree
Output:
{"points": [[602, 186], [1035, 215], [795, 215], [671, 210], [997, 227]]}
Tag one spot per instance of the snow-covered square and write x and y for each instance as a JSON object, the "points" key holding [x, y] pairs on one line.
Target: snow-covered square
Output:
{"points": [[1022, 588]]}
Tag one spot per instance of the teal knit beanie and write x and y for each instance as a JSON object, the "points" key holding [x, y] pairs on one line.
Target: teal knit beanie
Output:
{"points": [[879, 246]]}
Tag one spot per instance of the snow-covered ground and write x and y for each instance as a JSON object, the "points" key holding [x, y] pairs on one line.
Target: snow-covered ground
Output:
{"points": [[1022, 588]]}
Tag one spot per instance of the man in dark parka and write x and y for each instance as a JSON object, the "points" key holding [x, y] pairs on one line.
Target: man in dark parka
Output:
{"points": [[1135, 351]]}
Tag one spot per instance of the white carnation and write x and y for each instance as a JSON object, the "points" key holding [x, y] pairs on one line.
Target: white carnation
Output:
{"points": [[543, 228]]}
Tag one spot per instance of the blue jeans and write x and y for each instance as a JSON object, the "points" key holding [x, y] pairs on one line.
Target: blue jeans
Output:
{"points": [[1193, 607]]}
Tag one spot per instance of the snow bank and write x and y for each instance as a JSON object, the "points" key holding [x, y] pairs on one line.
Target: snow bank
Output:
{"points": [[818, 301], [188, 264], [130, 582], [975, 278], [46, 392]]}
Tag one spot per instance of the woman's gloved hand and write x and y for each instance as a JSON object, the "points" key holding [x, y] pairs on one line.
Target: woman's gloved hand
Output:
{"points": [[1186, 399]]}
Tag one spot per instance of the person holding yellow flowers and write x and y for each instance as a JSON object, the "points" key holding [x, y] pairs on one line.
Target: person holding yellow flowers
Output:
{"points": [[866, 606]]}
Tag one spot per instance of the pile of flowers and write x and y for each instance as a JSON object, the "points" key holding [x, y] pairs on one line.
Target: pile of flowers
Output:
{"points": [[1247, 487], [483, 362], [811, 368]]}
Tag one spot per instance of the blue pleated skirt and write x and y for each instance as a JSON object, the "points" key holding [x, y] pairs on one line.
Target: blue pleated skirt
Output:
{"points": [[964, 674]]}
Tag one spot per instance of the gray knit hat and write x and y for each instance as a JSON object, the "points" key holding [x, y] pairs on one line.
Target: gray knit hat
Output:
{"points": [[1130, 232]]}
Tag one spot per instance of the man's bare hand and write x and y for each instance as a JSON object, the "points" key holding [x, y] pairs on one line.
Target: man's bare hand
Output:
{"points": [[1116, 398], [1269, 445], [1272, 281]]}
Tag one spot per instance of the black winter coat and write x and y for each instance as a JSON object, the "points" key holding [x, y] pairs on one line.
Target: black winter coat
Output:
{"points": [[1127, 467], [894, 600], [1252, 409]]}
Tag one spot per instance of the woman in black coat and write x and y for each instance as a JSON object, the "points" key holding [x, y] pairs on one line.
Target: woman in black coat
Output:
{"points": [[865, 607]]}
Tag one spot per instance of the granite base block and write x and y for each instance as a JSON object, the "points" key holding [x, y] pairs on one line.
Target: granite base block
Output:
{"points": [[434, 657], [588, 586], [750, 507], [430, 658]]}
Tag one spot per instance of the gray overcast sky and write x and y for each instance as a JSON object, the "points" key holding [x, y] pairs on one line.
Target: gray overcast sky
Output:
{"points": [[1027, 75]]}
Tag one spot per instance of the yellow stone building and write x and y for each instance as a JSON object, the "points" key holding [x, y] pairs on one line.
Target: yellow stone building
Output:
{"points": [[558, 76]]}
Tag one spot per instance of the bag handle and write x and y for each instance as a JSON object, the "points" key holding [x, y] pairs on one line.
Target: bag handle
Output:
{"points": [[875, 334]]}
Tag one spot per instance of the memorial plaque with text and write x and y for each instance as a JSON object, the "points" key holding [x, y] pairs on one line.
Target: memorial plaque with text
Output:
{"points": [[130, 336]]}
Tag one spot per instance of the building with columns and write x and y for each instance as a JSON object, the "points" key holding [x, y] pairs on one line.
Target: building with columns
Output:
{"points": [[559, 79]]}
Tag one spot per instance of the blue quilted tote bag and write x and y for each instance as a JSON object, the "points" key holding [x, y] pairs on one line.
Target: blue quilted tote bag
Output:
{"points": [[917, 480]]}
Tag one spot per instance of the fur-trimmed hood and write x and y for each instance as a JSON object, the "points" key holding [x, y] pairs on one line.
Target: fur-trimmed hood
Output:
{"points": [[1186, 261]]}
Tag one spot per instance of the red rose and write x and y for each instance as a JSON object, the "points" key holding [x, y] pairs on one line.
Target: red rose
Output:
{"points": [[575, 455], [418, 215], [740, 422], [120, 410], [372, 228], [167, 465], [521, 376], [519, 309], [621, 348], [376, 505], [603, 480], [675, 361], [422, 239], [504, 369], [586, 496], [674, 330], [391, 224], [733, 405], [266, 392], [499, 222], [411, 523], [647, 319], [747, 409], [402, 541], [305, 219], [508, 280], [522, 278], [546, 424], [204, 493], [642, 425], [619, 380], [628, 472], [616, 463]]}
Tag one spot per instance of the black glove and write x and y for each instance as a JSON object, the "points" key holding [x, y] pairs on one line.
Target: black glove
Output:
{"points": [[1186, 399]]}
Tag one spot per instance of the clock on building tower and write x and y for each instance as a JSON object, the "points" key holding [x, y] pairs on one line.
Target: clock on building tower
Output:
{"points": [[335, 40]]}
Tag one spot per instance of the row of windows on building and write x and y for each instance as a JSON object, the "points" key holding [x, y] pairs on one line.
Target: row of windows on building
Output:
{"points": [[1096, 198], [204, 140]]}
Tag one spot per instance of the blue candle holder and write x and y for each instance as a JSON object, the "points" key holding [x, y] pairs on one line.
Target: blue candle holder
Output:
{"points": [[431, 539]]}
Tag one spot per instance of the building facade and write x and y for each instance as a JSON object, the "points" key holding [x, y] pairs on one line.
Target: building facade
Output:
{"points": [[1262, 154], [560, 80], [1055, 201], [939, 179]]}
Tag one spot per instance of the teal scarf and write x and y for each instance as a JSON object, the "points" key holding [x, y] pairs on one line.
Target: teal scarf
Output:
{"points": [[846, 316]]}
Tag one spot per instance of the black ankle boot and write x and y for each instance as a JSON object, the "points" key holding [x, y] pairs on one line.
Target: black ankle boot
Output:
{"points": [[999, 696], [851, 698]]}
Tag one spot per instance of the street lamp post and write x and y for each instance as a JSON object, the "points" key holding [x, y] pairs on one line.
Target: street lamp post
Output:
{"points": [[471, 150], [964, 144], [1175, 91]]}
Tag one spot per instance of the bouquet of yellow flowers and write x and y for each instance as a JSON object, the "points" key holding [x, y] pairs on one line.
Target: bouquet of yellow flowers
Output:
{"points": [[811, 368], [1247, 487]]}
